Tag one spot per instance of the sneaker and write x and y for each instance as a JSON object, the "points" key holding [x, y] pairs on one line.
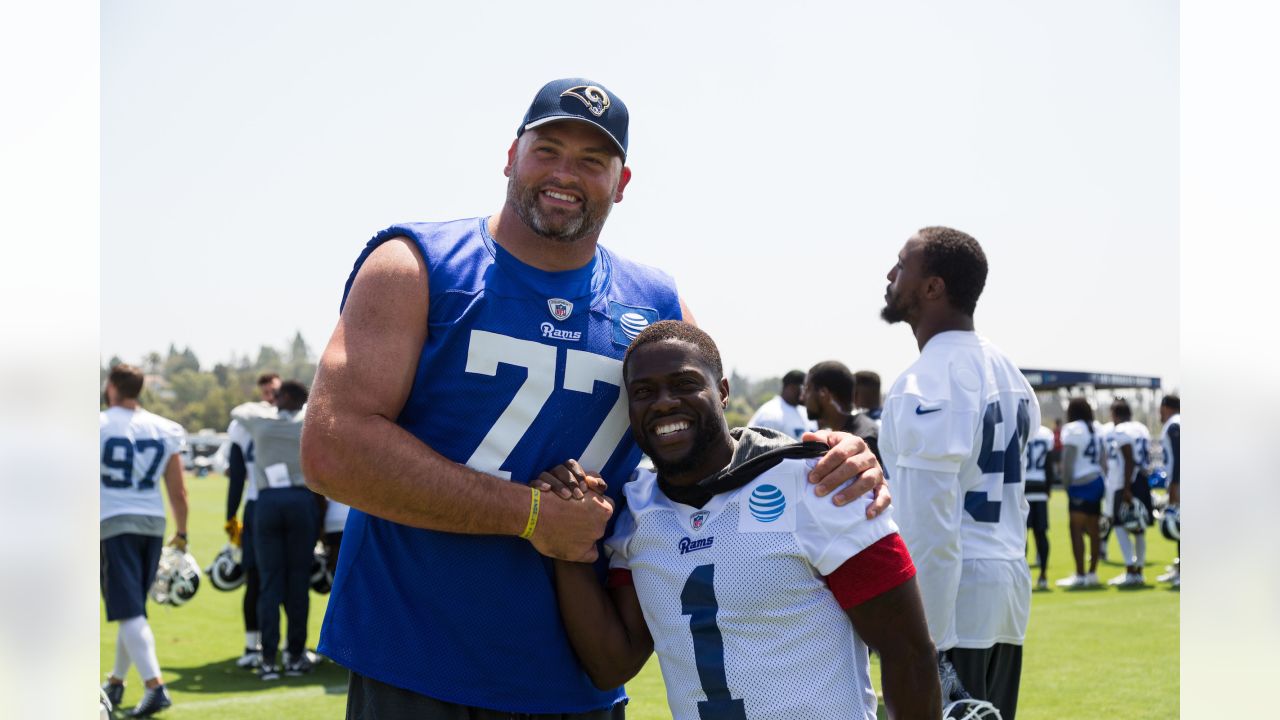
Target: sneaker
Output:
{"points": [[268, 671], [1071, 583], [155, 700], [250, 659], [114, 693], [1042, 584], [1139, 580], [1091, 580], [1176, 582], [1169, 576], [301, 665], [1121, 580]]}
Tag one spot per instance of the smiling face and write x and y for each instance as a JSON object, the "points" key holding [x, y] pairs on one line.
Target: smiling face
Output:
{"points": [[677, 411], [564, 178]]}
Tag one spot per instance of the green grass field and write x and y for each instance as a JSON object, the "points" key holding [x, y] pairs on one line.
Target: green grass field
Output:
{"points": [[1094, 653]]}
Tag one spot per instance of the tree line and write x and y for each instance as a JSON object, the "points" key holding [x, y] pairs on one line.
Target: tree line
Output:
{"points": [[198, 397]]}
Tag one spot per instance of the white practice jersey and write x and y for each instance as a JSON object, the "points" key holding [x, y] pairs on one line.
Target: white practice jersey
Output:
{"points": [[1090, 450], [1138, 438], [734, 596], [1035, 457], [335, 516], [239, 435], [136, 446], [954, 427], [777, 414], [1170, 446]]}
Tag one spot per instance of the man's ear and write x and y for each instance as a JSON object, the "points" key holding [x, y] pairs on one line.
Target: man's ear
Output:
{"points": [[511, 157], [724, 393], [622, 184], [935, 288]]}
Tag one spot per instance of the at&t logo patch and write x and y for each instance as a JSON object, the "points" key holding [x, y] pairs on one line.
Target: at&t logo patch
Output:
{"points": [[767, 503], [628, 321]]}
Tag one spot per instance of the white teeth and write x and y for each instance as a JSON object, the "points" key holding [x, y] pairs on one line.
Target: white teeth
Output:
{"points": [[673, 427], [561, 196]]}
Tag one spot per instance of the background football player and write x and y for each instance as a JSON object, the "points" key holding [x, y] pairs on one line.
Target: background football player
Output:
{"points": [[1127, 459], [1039, 475], [1084, 466], [138, 448]]}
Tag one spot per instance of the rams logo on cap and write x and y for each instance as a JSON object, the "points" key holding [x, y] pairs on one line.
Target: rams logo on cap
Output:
{"points": [[596, 100]]}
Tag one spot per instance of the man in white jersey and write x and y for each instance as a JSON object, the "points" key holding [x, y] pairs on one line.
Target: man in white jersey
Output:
{"points": [[759, 597], [785, 412], [952, 435], [137, 449], [1084, 469], [1127, 451], [240, 473], [1171, 446], [1039, 476]]}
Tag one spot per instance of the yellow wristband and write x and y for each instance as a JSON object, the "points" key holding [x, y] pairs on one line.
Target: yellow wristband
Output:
{"points": [[534, 502]]}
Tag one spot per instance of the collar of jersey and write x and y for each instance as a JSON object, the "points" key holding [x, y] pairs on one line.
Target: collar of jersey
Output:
{"points": [[581, 282]]}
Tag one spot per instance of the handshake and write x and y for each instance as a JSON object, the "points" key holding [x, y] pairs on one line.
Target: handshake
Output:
{"points": [[568, 526]]}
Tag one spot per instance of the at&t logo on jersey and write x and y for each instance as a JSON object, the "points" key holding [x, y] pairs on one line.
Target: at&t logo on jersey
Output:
{"points": [[555, 333], [767, 503], [688, 545], [560, 308], [628, 321]]}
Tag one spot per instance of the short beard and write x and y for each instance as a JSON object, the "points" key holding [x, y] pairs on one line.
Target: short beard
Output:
{"points": [[524, 199], [894, 312], [708, 433]]}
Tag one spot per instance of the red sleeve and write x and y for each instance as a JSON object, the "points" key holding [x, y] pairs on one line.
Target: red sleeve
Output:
{"points": [[883, 566], [618, 577]]}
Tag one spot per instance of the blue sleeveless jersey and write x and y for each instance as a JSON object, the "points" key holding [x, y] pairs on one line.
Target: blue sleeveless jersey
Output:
{"points": [[521, 371]]}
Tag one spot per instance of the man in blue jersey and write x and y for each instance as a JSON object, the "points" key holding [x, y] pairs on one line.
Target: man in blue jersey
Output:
{"points": [[471, 356]]}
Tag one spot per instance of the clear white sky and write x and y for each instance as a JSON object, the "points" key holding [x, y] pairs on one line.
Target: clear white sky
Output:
{"points": [[781, 156]]}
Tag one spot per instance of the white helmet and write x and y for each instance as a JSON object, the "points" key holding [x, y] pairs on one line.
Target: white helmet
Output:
{"points": [[321, 578], [1134, 516], [971, 709], [177, 578], [1171, 523], [227, 573]]}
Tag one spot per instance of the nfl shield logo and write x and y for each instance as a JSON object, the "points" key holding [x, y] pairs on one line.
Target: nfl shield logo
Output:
{"points": [[698, 518], [560, 308]]}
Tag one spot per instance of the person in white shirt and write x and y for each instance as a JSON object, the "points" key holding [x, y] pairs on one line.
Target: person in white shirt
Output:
{"points": [[760, 597], [1084, 467], [138, 448], [785, 412], [1039, 472], [953, 430], [1128, 448]]}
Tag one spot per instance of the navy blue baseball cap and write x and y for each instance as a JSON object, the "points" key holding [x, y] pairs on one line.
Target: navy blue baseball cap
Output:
{"points": [[579, 99]]}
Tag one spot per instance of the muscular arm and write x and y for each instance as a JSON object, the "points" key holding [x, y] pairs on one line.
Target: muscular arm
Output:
{"points": [[354, 452], [606, 627], [928, 515], [893, 624], [176, 487]]}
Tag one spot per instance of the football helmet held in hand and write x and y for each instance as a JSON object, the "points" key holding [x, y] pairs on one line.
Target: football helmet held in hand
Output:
{"points": [[227, 571], [177, 578]]}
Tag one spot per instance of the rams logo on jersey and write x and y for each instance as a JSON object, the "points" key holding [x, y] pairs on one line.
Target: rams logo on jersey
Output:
{"points": [[596, 100]]}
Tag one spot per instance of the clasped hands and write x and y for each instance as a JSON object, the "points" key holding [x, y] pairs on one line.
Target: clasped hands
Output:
{"points": [[569, 529]]}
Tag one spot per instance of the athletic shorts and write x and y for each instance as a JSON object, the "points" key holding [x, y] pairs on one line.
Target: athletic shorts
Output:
{"points": [[127, 568], [1038, 518], [368, 699], [247, 559], [1088, 507], [1087, 497]]}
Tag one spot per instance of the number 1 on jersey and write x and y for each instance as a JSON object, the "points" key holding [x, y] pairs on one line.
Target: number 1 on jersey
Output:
{"points": [[698, 601]]}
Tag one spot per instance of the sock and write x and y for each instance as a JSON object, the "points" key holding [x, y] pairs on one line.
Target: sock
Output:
{"points": [[1142, 551], [1126, 545], [253, 640], [121, 668], [141, 643]]}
